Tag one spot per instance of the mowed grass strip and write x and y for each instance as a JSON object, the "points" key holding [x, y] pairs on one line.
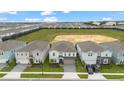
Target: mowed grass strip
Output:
{"points": [[47, 67], [50, 34], [41, 76], [1, 75], [83, 76], [8, 68], [79, 66], [114, 76], [112, 68]]}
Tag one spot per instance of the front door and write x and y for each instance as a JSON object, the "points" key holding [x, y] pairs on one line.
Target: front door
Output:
{"points": [[31, 61], [61, 61]]}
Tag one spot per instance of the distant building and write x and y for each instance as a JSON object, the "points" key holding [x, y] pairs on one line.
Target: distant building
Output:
{"points": [[110, 24], [96, 23], [8, 48]]}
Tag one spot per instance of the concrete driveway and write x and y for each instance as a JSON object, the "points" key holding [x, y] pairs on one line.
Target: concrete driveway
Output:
{"points": [[18, 68], [70, 70], [2, 65]]}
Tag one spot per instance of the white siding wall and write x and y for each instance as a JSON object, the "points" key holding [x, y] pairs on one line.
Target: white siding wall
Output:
{"points": [[22, 57], [89, 59], [55, 57], [106, 54], [84, 56]]}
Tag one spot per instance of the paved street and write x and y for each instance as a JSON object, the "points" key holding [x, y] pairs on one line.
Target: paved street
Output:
{"points": [[2, 65], [19, 68], [96, 76], [69, 68]]}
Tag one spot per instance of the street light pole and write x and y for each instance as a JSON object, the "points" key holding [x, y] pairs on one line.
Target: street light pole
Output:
{"points": [[42, 68]]}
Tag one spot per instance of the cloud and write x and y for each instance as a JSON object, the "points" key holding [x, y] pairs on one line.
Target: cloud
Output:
{"points": [[66, 12], [3, 19], [106, 18], [32, 19], [45, 13], [121, 13], [50, 19], [8, 12]]}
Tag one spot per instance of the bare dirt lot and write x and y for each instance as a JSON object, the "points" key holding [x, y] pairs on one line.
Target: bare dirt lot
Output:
{"points": [[79, 38]]}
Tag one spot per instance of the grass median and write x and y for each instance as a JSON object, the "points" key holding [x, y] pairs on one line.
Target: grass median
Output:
{"points": [[83, 76], [114, 76], [41, 75]]}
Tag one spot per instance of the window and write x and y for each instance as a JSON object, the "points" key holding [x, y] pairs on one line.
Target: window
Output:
{"points": [[106, 55], [73, 54], [17, 54], [21, 54], [53, 54], [123, 54], [68, 54], [2, 53], [89, 54], [37, 54], [65, 54]]}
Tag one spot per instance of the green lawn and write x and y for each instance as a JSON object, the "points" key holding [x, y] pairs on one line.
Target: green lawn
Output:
{"points": [[112, 68], [114, 76], [46, 68], [8, 68], [79, 66], [85, 76], [49, 34], [1, 75], [41, 76]]}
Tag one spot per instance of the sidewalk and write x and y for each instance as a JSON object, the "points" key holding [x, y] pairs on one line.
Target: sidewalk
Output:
{"points": [[18, 68], [96, 76]]}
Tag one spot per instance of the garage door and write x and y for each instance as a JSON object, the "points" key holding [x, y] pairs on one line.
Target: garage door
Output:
{"points": [[23, 61], [69, 61]]}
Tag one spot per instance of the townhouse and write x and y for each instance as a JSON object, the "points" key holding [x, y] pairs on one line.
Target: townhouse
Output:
{"points": [[34, 53], [8, 48], [62, 50], [117, 49], [92, 53]]}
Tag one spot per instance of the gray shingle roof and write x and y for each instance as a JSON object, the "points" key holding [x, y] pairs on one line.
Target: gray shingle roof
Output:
{"points": [[10, 44], [35, 45], [90, 46], [63, 46], [113, 46]]}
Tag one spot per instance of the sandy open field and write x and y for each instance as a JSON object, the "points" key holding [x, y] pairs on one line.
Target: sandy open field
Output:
{"points": [[79, 38]]}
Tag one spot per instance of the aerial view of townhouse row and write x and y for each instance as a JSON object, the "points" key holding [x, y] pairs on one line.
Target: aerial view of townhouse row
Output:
{"points": [[52, 50], [68, 56]]}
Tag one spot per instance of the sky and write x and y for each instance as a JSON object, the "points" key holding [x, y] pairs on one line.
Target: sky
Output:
{"points": [[60, 16]]}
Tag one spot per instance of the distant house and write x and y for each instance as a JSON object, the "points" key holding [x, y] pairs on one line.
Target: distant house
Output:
{"points": [[8, 48], [120, 23], [33, 53], [62, 50], [92, 53], [117, 49], [110, 24], [96, 23]]}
